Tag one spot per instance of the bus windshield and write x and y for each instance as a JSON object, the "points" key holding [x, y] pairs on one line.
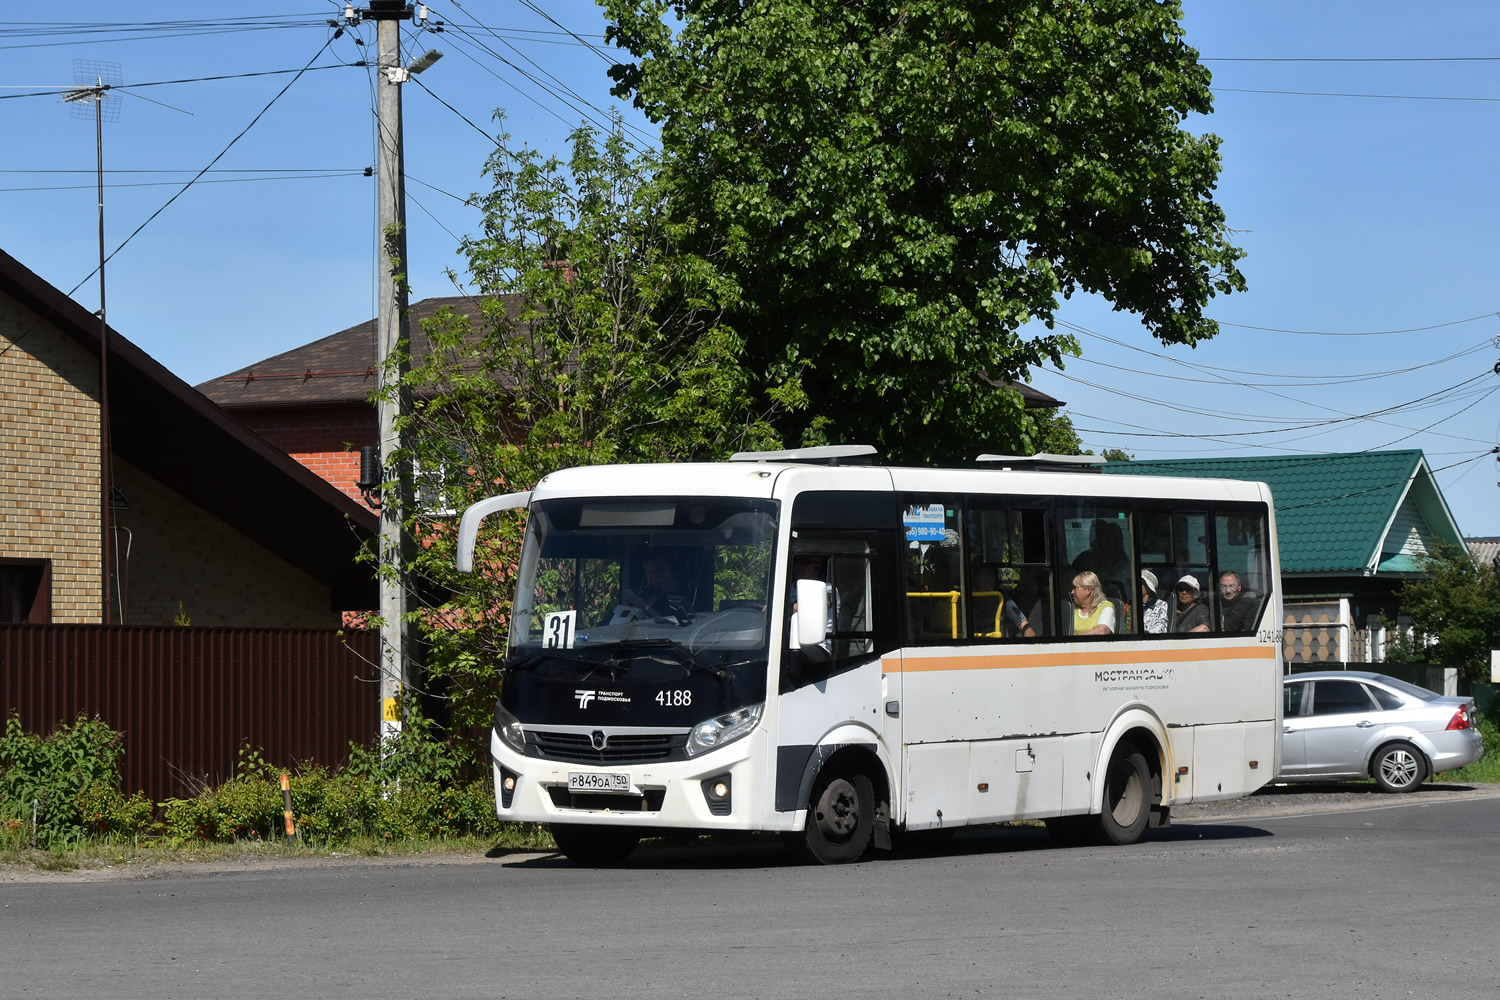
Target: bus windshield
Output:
{"points": [[691, 576]]}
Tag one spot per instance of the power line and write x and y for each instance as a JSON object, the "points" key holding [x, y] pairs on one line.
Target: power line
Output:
{"points": [[1366, 333], [566, 88], [219, 180], [69, 294], [54, 91], [1202, 368], [186, 33], [1379, 97], [1348, 59]]}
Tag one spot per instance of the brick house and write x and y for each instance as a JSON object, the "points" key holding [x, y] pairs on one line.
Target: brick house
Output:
{"points": [[207, 518], [313, 402]]}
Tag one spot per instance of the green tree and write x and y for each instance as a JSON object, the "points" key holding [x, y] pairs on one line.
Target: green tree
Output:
{"points": [[600, 338], [1455, 613], [905, 187], [1056, 435]]}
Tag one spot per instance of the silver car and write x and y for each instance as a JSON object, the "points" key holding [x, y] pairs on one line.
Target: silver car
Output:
{"points": [[1352, 724]]}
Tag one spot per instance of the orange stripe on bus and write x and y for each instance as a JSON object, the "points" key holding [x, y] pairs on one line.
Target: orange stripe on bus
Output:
{"points": [[980, 661]]}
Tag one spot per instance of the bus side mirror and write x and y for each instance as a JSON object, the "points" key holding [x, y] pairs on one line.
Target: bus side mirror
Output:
{"points": [[468, 526], [811, 619]]}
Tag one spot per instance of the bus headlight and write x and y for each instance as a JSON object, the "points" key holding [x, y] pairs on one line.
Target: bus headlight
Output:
{"points": [[508, 727], [715, 733]]}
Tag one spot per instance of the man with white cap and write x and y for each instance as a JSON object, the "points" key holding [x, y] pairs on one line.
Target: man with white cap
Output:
{"points": [[1191, 616]]}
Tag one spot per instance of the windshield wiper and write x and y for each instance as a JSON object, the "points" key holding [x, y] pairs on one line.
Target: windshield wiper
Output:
{"points": [[682, 653]]}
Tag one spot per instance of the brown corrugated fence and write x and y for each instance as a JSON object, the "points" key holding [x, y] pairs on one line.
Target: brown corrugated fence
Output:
{"points": [[187, 699]]}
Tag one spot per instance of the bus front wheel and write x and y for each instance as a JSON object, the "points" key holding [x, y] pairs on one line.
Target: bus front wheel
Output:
{"points": [[840, 818], [595, 846], [1127, 797]]}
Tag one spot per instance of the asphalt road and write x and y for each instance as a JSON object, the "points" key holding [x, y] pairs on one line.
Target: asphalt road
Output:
{"points": [[1316, 900]]}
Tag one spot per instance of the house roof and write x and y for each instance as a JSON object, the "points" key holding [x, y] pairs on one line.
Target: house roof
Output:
{"points": [[340, 368], [168, 429], [1357, 513], [1484, 551]]}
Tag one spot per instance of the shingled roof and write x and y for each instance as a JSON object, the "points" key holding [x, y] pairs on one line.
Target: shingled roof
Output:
{"points": [[1350, 514], [340, 368]]}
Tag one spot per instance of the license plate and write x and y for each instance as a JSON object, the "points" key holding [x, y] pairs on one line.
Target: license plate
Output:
{"points": [[598, 781]]}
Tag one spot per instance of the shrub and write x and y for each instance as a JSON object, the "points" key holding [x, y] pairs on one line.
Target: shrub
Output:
{"points": [[73, 778]]}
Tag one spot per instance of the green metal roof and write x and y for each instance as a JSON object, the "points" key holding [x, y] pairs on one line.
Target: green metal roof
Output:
{"points": [[1333, 511]]}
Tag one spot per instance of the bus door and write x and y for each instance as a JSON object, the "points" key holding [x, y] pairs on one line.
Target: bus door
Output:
{"points": [[838, 684]]}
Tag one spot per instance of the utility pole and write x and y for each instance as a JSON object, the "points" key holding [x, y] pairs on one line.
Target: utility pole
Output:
{"points": [[392, 334], [392, 340]]}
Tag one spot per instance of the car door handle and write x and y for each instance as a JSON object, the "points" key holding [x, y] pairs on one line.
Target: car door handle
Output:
{"points": [[1363, 724], [1288, 729]]}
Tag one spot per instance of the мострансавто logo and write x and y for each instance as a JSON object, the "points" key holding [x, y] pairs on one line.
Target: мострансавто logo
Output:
{"points": [[1136, 674]]}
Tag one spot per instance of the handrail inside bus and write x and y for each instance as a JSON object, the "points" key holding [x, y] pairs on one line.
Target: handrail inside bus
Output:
{"points": [[952, 595]]}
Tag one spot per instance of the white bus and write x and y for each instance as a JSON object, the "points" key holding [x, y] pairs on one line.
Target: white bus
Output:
{"points": [[847, 653]]}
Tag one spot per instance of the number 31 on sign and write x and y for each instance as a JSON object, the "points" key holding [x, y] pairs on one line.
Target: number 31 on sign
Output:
{"points": [[557, 630]]}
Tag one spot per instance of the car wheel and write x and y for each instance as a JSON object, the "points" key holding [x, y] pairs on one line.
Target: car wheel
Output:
{"points": [[1127, 797], [840, 818], [1398, 767], [595, 846]]}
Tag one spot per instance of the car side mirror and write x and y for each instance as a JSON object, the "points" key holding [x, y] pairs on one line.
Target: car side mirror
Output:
{"points": [[810, 623]]}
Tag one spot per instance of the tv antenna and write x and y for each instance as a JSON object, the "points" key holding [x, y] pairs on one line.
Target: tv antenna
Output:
{"points": [[95, 82]]}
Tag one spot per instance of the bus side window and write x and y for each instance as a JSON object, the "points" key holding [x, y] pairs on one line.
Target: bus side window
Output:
{"points": [[1098, 538], [1009, 584], [844, 565], [935, 611], [1243, 568]]}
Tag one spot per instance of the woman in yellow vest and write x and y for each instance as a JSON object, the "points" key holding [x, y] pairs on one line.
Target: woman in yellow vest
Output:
{"points": [[1092, 614]]}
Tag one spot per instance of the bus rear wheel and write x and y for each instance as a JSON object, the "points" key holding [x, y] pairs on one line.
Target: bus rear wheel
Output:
{"points": [[595, 846], [1127, 797], [840, 819]]}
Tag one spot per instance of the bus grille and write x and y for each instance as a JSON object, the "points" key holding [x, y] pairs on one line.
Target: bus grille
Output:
{"points": [[620, 748], [649, 801]]}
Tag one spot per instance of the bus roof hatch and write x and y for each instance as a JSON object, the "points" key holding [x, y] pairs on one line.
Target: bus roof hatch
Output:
{"points": [[826, 454]]}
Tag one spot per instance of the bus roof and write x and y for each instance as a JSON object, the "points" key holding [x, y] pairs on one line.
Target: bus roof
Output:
{"points": [[772, 480]]}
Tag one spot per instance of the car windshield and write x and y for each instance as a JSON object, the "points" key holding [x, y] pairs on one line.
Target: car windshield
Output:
{"points": [[690, 576], [1411, 690]]}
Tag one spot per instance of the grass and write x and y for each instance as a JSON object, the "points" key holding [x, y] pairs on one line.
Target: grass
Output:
{"points": [[1485, 770], [145, 852]]}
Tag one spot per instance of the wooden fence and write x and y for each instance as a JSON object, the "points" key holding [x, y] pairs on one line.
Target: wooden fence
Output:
{"points": [[187, 699]]}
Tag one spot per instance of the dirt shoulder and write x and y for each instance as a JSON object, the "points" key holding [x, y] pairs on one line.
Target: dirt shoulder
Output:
{"points": [[1303, 799], [1275, 801]]}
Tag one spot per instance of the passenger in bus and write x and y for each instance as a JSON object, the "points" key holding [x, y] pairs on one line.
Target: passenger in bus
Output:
{"points": [[1237, 606], [1191, 615], [1157, 615], [992, 605], [1092, 614]]}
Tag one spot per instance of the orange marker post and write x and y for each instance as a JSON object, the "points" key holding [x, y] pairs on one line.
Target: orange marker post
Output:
{"points": [[286, 801]]}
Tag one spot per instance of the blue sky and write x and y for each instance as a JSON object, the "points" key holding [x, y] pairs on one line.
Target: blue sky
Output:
{"points": [[1361, 214]]}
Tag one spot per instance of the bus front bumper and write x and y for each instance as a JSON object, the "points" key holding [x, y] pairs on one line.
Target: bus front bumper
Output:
{"points": [[723, 789]]}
